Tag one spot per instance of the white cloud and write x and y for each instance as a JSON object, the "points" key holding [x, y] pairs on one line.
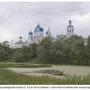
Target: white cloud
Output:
{"points": [[18, 17]]}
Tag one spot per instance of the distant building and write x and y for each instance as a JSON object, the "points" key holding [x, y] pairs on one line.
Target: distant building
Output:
{"points": [[38, 34], [19, 43], [48, 33], [70, 29], [35, 37]]}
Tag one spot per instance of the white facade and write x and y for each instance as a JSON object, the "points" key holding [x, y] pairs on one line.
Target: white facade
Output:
{"points": [[38, 34], [70, 29], [48, 33], [19, 43], [35, 37]]}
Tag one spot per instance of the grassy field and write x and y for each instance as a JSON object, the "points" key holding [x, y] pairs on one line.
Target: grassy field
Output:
{"points": [[9, 77], [22, 65]]}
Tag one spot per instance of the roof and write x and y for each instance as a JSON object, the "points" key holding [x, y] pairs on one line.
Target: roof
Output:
{"points": [[38, 29], [20, 42], [30, 33]]}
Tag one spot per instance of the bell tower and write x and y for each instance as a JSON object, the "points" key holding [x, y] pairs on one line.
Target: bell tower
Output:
{"points": [[48, 33], [70, 28], [30, 36]]}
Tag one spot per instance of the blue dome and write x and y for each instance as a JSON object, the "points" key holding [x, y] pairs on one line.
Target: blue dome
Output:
{"points": [[30, 33], [38, 29]]}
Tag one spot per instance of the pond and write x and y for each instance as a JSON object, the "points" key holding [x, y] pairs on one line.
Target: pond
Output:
{"points": [[43, 71]]}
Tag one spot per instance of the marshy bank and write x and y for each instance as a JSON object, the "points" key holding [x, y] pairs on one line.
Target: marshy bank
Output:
{"points": [[66, 69], [19, 73], [10, 77]]}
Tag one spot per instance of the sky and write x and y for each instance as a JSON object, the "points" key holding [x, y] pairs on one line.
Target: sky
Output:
{"points": [[18, 18]]}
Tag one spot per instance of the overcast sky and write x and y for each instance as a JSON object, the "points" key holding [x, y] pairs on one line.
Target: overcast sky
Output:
{"points": [[17, 18]]}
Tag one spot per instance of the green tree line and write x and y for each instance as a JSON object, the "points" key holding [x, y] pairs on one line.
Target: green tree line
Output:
{"points": [[60, 50]]}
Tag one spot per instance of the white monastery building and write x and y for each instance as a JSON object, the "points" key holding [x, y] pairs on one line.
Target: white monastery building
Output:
{"points": [[35, 37], [70, 29], [38, 35]]}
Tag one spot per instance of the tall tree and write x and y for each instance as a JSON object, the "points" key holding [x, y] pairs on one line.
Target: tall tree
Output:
{"points": [[43, 50]]}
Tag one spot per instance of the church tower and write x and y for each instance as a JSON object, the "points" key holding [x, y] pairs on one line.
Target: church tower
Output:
{"points": [[38, 34], [70, 29], [30, 34], [39, 31], [48, 33], [30, 37]]}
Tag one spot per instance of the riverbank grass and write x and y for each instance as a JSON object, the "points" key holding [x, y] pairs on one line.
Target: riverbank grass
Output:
{"points": [[22, 65], [9, 77]]}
